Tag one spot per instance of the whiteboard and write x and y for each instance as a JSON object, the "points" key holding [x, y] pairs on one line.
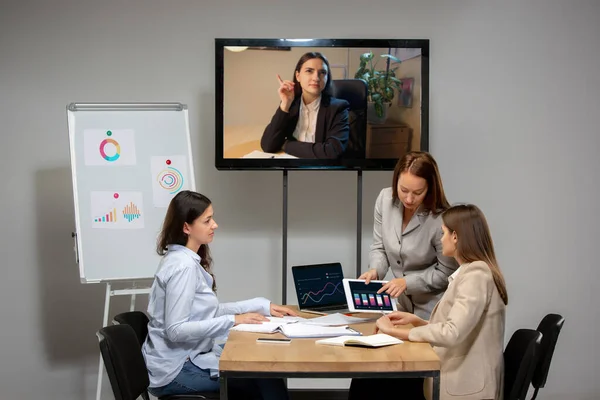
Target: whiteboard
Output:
{"points": [[128, 160]]}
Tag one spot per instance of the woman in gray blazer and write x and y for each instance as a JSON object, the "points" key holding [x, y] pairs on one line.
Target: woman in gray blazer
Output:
{"points": [[466, 328], [407, 233]]}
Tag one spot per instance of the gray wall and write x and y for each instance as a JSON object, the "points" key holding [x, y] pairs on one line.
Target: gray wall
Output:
{"points": [[514, 104]]}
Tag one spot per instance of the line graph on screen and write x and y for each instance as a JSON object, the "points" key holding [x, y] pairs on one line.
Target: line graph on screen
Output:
{"points": [[329, 289]]}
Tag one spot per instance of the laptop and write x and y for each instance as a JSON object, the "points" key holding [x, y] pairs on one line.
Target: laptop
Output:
{"points": [[319, 288]]}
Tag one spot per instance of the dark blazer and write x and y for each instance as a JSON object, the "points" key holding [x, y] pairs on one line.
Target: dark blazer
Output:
{"points": [[331, 135]]}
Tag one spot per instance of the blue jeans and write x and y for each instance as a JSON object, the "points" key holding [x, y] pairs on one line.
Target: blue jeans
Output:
{"points": [[193, 379]]}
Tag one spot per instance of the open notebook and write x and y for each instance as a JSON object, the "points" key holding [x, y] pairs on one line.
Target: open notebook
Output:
{"points": [[378, 340], [297, 329]]}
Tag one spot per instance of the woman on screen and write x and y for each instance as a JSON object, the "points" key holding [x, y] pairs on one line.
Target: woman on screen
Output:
{"points": [[185, 314], [407, 236], [466, 328], [309, 122]]}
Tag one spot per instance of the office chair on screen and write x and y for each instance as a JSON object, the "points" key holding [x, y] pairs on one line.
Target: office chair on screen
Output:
{"points": [[355, 92]]}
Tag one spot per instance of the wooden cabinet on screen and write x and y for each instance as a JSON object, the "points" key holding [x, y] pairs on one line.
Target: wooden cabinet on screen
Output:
{"points": [[388, 140]]}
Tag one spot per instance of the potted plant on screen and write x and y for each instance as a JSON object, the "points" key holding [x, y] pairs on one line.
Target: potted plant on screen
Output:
{"points": [[381, 84]]}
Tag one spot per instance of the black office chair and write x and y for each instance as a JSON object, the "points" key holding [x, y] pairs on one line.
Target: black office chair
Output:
{"points": [[549, 327], [126, 368], [137, 320], [355, 92], [520, 359]]}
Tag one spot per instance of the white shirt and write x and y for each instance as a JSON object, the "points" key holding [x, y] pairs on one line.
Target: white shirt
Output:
{"points": [[307, 121], [186, 317]]}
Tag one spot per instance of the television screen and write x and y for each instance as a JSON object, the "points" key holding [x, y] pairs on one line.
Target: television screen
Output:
{"points": [[320, 103]]}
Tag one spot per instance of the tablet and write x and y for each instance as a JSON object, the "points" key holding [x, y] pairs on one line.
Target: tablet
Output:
{"points": [[364, 298]]}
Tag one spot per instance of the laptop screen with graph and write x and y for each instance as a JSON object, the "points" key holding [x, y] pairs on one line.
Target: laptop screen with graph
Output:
{"points": [[319, 286]]}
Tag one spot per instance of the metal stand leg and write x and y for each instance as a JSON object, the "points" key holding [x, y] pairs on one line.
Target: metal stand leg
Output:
{"points": [[436, 386], [358, 222], [104, 323], [223, 390], [284, 237]]}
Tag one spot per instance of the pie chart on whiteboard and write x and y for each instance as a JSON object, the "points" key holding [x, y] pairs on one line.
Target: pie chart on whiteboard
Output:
{"points": [[170, 175]]}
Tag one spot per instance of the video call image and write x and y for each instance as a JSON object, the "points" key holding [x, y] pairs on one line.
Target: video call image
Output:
{"points": [[272, 110]]}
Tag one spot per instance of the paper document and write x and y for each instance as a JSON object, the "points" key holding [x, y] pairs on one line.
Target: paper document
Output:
{"points": [[286, 320], [267, 327], [336, 319], [295, 328], [301, 330], [262, 154]]}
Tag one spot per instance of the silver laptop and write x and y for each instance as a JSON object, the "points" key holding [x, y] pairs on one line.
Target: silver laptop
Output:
{"points": [[319, 288]]}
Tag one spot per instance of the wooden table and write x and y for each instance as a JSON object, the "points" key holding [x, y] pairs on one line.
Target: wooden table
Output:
{"points": [[244, 358]]}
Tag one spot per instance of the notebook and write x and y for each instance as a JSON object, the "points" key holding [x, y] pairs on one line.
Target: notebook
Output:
{"points": [[315, 331], [378, 340]]}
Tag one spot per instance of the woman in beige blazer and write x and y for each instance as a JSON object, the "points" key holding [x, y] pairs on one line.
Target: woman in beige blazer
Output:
{"points": [[407, 233], [466, 328]]}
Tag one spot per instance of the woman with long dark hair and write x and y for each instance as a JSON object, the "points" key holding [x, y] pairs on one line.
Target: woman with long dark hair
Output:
{"points": [[309, 122], [185, 313]]}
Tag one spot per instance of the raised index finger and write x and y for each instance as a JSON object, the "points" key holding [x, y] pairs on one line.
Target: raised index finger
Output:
{"points": [[279, 79]]}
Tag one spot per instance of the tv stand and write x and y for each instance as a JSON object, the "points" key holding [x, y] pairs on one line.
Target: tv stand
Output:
{"points": [[284, 229]]}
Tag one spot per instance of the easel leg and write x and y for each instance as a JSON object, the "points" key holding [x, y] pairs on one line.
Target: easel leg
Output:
{"points": [[104, 323]]}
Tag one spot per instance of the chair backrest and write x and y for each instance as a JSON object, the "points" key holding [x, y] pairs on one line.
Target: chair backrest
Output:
{"points": [[355, 92], [520, 360], [549, 327], [124, 362], [137, 320]]}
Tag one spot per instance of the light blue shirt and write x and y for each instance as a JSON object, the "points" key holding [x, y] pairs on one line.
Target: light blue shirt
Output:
{"points": [[186, 317]]}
